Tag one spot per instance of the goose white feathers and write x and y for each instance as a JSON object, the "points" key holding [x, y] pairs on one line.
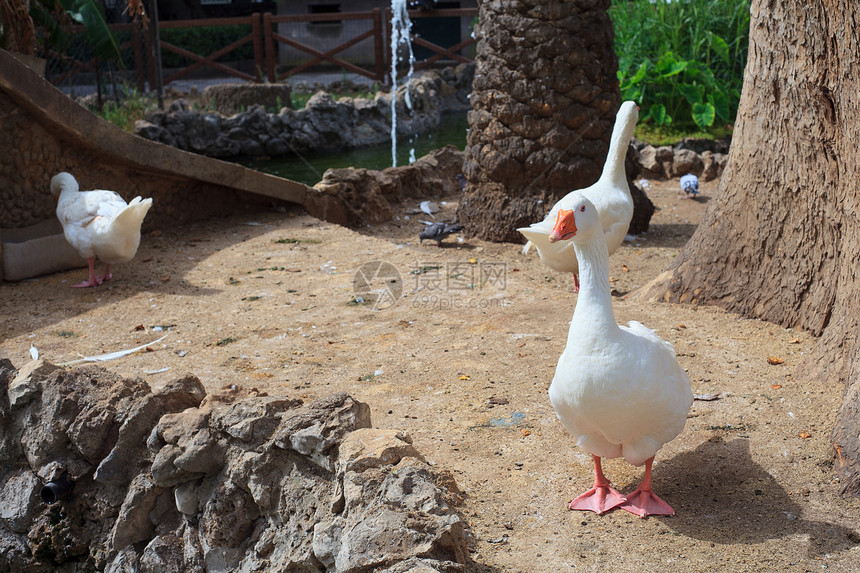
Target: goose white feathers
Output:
{"points": [[619, 390], [98, 223], [610, 195]]}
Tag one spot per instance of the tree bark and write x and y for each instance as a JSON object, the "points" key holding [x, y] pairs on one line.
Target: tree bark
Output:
{"points": [[543, 101], [780, 241]]}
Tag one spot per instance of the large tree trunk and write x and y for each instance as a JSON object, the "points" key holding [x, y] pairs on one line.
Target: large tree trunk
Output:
{"points": [[781, 241], [543, 105]]}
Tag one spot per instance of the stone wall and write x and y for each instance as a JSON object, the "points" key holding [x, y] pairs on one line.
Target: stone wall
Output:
{"points": [[100, 473], [43, 132], [32, 154], [322, 125]]}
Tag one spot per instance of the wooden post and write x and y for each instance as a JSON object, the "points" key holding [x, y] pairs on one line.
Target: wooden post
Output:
{"points": [[258, 47], [270, 48], [139, 74], [378, 45]]}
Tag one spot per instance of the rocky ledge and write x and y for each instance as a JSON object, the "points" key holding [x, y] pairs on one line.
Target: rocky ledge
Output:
{"points": [[101, 473], [322, 125]]}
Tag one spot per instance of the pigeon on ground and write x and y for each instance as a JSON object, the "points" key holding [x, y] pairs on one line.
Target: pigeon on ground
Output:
{"points": [[690, 185], [438, 231]]}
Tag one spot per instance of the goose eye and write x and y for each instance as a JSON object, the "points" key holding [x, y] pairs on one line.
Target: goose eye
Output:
{"points": [[582, 209]]}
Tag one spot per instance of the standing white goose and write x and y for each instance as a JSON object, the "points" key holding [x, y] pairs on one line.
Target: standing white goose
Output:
{"points": [[619, 390], [98, 224], [610, 195]]}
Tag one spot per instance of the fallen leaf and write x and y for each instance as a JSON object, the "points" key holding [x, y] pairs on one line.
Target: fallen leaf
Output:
{"points": [[155, 233], [464, 377], [804, 434], [146, 260], [525, 432], [138, 327], [473, 261], [624, 268], [776, 386], [515, 270], [498, 401], [521, 345], [613, 280], [795, 341], [774, 360], [682, 325], [164, 279]]}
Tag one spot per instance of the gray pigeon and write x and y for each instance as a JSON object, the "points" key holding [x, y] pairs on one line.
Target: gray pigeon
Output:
{"points": [[690, 185], [438, 231]]}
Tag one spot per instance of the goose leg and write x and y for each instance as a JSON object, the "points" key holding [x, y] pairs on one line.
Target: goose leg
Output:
{"points": [[575, 283], [107, 276], [643, 501], [92, 281], [600, 498]]}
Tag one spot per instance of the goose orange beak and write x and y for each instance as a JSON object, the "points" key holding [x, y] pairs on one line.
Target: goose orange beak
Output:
{"points": [[565, 226]]}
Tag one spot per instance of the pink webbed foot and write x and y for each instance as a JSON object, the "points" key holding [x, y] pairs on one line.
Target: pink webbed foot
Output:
{"points": [[598, 499], [92, 280], [643, 501]]}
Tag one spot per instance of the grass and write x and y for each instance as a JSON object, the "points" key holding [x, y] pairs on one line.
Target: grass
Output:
{"points": [[658, 135], [683, 60]]}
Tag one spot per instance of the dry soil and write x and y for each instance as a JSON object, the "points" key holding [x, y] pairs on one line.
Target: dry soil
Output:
{"points": [[460, 353]]}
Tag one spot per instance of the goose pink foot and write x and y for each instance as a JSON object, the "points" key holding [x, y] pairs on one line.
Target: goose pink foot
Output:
{"points": [[575, 283], [92, 281], [643, 501], [600, 498]]}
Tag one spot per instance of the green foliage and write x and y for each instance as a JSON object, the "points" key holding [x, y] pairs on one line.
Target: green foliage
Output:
{"points": [[130, 108], [682, 60], [99, 37]]}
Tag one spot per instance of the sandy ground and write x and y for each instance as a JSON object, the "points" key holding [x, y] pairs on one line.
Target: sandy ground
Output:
{"points": [[462, 362]]}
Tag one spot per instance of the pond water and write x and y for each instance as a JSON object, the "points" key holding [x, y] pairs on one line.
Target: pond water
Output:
{"points": [[309, 169]]}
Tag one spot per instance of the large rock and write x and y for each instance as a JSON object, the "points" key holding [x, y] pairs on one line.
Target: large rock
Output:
{"points": [[358, 197], [177, 480]]}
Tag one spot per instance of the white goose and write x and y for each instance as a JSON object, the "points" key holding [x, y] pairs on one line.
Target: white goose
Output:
{"points": [[98, 224], [610, 195], [619, 390]]}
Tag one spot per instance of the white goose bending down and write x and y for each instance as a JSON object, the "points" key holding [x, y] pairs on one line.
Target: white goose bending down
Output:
{"points": [[98, 224], [610, 195], [619, 390]]}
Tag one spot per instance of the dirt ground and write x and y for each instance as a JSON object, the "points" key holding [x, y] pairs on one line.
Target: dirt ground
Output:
{"points": [[462, 361]]}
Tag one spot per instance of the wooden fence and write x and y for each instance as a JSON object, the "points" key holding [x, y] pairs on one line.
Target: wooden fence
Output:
{"points": [[265, 40]]}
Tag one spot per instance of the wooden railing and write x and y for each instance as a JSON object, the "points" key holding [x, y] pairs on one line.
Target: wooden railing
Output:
{"points": [[265, 39]]}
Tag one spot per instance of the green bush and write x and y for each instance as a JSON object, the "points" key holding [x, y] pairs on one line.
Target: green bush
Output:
{"points": [[682, 60]]}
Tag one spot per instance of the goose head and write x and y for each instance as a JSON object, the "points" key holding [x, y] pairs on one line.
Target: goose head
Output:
{"points": [[578, 223], [62, 181]]}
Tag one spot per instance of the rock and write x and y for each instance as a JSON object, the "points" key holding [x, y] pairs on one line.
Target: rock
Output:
{"points": [[372, 448], [186, 498], [358, 197], [27, 383], [18, 495], [713, 165], [133, 523], [224, 482], [686, 161], [257, 120]]}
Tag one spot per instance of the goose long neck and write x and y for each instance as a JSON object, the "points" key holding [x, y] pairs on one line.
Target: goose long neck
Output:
{"points": [[613, 168], [594, 304]]}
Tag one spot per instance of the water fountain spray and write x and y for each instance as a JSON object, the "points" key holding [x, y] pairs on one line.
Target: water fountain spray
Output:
{"points": [[401, 27]]}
